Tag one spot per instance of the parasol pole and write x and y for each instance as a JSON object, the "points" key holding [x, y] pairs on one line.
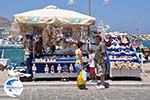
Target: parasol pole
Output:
{"points": [[89, 7], [89, 13], [89, 29]]}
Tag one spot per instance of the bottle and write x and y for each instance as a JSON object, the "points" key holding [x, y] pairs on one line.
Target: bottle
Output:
{"points": [[65, 68], [46, 69], [52, 69], [59, 68], [71, 69], [86, 59], [34, 68], [68, 56]]}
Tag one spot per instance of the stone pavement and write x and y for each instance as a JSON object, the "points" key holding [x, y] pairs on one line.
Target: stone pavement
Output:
{"points": [[72, 93], [119, 84], [3, 96], [109, 83], [145, 76], [3, 76]]}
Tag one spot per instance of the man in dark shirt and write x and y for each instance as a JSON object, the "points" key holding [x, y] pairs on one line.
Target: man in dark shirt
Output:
{"points": [[39, 46]]}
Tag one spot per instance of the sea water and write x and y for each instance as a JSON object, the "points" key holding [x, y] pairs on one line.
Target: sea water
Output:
{"points": [[15, 55], [145, 43]]}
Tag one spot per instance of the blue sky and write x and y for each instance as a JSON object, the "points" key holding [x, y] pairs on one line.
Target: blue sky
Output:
{"points": [[122, 15]]}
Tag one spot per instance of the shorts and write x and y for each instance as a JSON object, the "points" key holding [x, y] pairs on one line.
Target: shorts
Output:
{"points": [[100, 66], [78, 67], [100, 69], [92, 70]]}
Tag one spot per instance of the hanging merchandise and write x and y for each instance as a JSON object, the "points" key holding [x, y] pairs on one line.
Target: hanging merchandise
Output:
{"points": [[122, 57]]}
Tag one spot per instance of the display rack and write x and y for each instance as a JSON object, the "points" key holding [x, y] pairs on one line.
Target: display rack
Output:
{"points": [[123, 60], [60, 66]]}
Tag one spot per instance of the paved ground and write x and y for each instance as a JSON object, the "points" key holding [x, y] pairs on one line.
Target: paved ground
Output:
{"points": [[3, 76], [119, 90], [3, 96], [73, 93], [145, 76]]}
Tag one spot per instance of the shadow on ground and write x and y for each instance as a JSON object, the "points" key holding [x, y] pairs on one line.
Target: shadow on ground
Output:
{"points": [[126, 79]]}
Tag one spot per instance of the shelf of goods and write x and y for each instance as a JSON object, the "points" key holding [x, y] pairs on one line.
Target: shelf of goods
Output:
{"points": [[59, 67], [123, 61]]}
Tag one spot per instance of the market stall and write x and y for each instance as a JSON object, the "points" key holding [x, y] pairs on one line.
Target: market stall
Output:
{"points": [[50, 35], [122, 58]]}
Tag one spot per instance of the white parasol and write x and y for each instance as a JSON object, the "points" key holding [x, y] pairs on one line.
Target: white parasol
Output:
{"points": [[53, 15]]}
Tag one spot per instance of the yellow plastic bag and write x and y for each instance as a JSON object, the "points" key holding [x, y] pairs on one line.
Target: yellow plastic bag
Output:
{"points": [[81, 80]]}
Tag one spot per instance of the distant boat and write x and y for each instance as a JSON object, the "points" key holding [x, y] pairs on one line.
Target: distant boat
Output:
{"points": [[8, 44], [3, 61], [12, 46]]}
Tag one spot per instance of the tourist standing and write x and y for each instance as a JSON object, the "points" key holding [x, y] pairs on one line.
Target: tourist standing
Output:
{"points": [[39, 46], [100, 61]]}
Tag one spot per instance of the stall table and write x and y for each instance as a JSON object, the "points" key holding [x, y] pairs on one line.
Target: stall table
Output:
{"points": [[66, 70], [123, 60]]}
